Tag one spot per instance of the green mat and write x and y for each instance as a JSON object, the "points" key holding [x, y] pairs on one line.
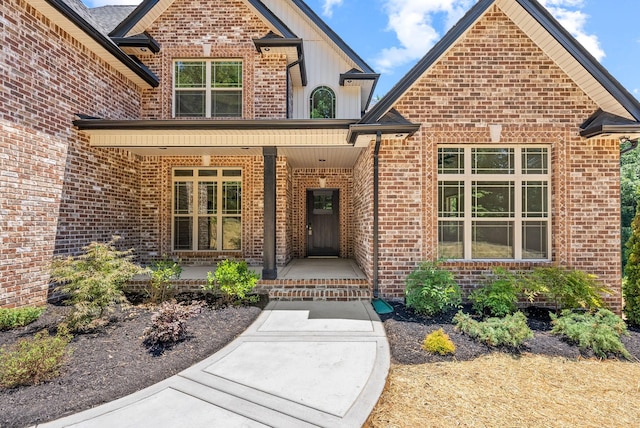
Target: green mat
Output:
{"points": [[381, 307]]}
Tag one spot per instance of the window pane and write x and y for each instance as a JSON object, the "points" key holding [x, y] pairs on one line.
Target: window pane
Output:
{"points": [[190, 103], [207, 198], [534, 199], [493, 199], [183, 173], [231, 233], [231, 173], [190, 74], [323, 103], [207, 233], [492, 240], [183, 198], [207, 173], [226, 103], [226, 74], [450, 161], [182, 230], [450, 239], [451, 199], [535, 161], [492, 161], [534, 240], [231, 197]]}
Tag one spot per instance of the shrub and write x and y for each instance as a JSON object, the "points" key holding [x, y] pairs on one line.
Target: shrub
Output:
{"points": [[169, 323], [438, 342], [498, 297], [161, 273], [568, 289], [512, 330], [599, 332], [430, 290], [34, 360], [93, 281], [234, 280], [631, 285], [18, 317]]}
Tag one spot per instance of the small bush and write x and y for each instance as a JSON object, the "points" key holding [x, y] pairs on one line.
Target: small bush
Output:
{"points": [[34, 360], [169, 324], [18, 317], [93, 281], [161, 273], [430, 290], [234, 280], [599, 332], [511, 331], [568, 289], [438, 342], [498, 297], [631, 284]]}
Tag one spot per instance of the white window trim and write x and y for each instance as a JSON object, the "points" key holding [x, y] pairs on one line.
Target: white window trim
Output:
{"points": [[208, 89], [195, 179], [518, 178]]}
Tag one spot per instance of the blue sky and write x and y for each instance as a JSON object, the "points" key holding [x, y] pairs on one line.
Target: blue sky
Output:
{"points": [[391, 35]]}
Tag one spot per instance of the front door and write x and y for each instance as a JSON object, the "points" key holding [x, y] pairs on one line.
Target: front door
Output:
{"points": [[323, 222]]}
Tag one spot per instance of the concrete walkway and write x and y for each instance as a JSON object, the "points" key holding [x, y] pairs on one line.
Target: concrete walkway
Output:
{"points": [[299, 364]]}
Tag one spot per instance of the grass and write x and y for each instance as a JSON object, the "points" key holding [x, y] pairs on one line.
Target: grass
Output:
{"points": [[502, 390]]}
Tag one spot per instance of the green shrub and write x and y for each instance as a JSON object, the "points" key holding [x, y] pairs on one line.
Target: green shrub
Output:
{"points": [[18, 317], [631, 296], [169, 324], [512, 330], [93, 281], [599, 332], [438, 342], [234, 280], [499, 296], [34, 360], [430, 290], [161, 273], [568, 289]]}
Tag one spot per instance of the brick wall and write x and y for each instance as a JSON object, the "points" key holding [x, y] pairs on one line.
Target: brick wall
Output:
{"points": [[363, 212], [186, 30], [496, 75], [58, 194]]}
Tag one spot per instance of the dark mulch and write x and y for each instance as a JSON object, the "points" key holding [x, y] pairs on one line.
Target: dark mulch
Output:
{"points": [[113, 362], [407, 330]]}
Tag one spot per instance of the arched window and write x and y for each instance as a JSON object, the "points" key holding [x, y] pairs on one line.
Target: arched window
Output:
{"points": [[323, 103]]}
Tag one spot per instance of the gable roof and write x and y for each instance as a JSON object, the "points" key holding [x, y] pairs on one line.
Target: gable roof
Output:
{"points": [[544, 30]]}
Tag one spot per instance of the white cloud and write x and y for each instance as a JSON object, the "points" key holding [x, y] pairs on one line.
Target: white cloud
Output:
{"points": [[327, 7], [412, 22]]}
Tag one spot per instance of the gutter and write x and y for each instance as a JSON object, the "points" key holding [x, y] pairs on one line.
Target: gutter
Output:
{"points": [[376, 237]]}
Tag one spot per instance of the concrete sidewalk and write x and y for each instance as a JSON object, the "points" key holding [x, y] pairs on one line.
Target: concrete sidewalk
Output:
{"points": [[299, 364]]}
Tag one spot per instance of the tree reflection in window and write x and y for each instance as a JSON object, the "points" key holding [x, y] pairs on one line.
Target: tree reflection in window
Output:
{"points": [[323, 103]]}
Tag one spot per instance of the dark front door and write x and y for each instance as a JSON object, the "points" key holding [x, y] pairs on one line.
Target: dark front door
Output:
{"points": [[323, 222]]}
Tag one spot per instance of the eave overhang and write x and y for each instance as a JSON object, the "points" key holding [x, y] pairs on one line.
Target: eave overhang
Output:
{"points": [[366, 81], [68, 19], [606, 125], [291, 48], [391, 126], [138, 44]]}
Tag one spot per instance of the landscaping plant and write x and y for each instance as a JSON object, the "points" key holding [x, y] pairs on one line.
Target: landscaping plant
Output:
{"points": [[234, 280], [18, 317], [34, 360], [161, 273], [599, 332], [498, 297], [439, 342], [631, 284], [93, 281], [430, 289], [511, 331], [169, 324]]}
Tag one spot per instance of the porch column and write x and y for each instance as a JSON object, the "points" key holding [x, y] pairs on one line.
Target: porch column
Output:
{"points": [[269, 270]]}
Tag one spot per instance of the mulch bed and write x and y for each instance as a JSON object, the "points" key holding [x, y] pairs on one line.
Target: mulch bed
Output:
{"points": [[113, 362], [407, 330]]}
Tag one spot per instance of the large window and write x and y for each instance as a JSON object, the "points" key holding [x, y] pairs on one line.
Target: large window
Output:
{"points": [[322, 103], [209, 88], [207, 209], [493, 203]]}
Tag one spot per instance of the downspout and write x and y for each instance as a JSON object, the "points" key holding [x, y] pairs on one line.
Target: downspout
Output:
{"points": [[376, 153]]}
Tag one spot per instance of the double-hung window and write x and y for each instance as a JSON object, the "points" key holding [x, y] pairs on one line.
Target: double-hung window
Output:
{"points": [[207, 88], [493, 202], [207, 209]]}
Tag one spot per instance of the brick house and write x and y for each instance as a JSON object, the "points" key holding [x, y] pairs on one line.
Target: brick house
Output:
{"points": [[247, 132]]}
